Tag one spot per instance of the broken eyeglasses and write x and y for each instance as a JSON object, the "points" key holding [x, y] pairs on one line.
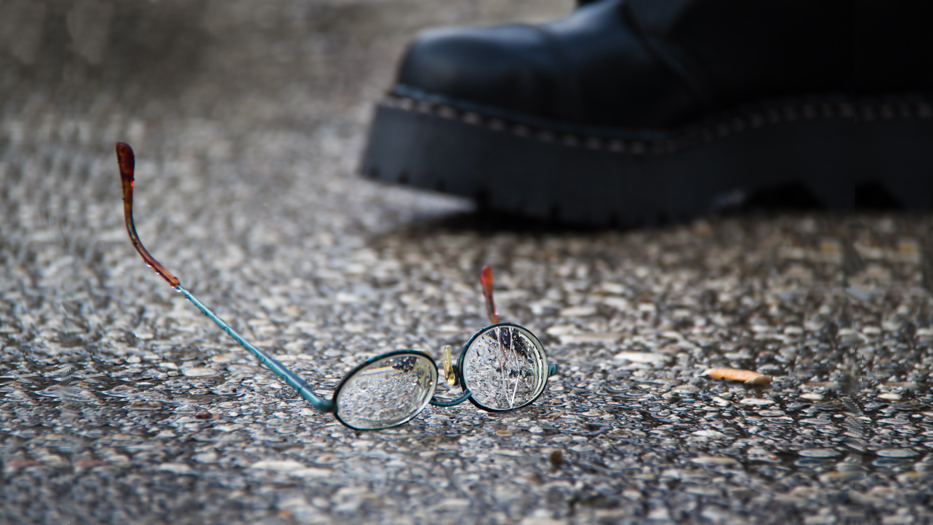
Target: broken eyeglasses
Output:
{"points": [[503, 367]]}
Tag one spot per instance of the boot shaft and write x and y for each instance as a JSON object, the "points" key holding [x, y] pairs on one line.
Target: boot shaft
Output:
{"points": [[740, 51]]}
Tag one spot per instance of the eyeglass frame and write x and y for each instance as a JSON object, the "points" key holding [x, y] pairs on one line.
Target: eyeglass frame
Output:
{"points": [[126, 163]]}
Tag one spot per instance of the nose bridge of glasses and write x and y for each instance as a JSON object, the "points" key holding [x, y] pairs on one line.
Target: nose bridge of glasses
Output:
{"points": [[441, 403]]}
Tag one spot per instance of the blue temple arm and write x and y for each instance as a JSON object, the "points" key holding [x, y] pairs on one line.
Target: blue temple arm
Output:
{"points": [[292, 380]]}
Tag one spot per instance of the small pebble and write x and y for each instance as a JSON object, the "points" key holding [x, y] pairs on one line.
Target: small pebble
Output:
{"points": [[896, 453], [771, 413], [709, 434], [811, 397], [578, 311], [754, 401], [556, 459], [720, 401], [818, 453], [685, 389], [200, 371], [835, 476], [713, 460], [140, 404]]}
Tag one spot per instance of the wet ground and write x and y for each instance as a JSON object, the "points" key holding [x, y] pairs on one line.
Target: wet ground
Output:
{"points": [[119, 402]]}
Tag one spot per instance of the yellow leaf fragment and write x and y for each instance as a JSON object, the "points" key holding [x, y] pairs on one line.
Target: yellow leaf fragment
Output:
{"points": [[734, 374]]}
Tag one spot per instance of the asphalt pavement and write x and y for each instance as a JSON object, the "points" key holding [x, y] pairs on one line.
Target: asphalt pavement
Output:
{"points": [[121, 403]]}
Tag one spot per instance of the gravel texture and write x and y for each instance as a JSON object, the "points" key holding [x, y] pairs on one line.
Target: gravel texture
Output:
{"points": [[120, 402]]}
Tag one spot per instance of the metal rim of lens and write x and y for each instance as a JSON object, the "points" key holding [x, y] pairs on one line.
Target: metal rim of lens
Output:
{"points": [[372, 360], [538, 345]]}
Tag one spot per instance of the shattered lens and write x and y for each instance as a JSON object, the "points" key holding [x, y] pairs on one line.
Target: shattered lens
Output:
{"points": [[505, 367], [386, 391]]}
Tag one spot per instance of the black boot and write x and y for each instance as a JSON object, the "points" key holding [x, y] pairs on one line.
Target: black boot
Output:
{"points": [[632, 110]]}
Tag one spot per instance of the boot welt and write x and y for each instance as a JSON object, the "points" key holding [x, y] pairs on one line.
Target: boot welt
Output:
{"points": [[844, 152]]}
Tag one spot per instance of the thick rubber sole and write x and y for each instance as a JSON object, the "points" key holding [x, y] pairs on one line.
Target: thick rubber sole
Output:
{"points": [[846, 154]]}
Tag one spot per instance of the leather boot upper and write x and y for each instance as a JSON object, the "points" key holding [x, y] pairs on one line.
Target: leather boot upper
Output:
{"points": [[655, 64]]}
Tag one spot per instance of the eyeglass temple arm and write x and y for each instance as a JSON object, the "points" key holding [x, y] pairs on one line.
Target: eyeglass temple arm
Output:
{"points": [[485, 278], [292, 380], [126, 161]]}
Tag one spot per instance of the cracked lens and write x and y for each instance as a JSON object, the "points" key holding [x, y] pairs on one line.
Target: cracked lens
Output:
{"points": [[505, 368], [387, 392]]}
